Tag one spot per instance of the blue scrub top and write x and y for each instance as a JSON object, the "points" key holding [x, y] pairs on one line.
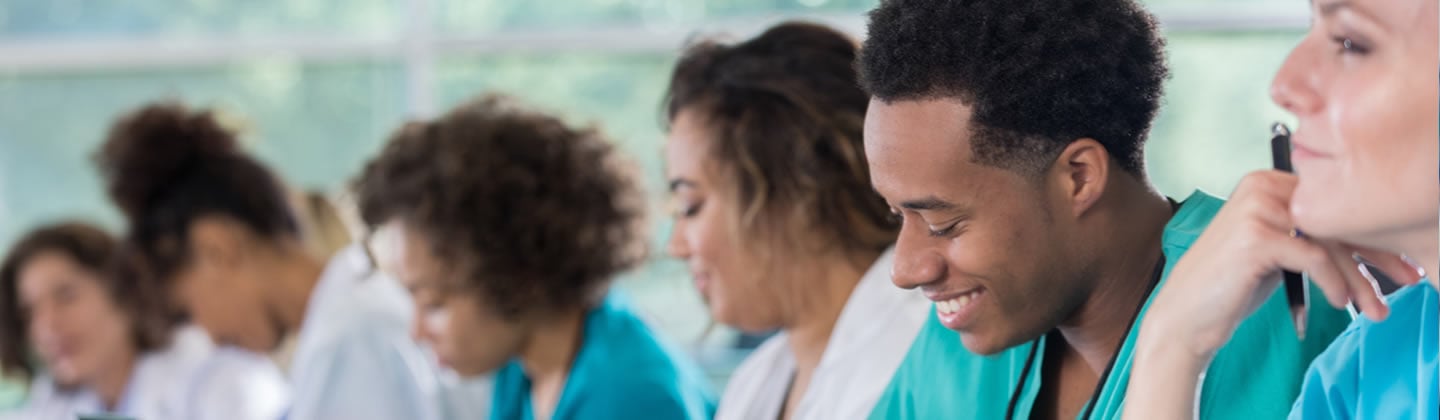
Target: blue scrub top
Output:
{"points": [[1380, 370], [622, 371]]}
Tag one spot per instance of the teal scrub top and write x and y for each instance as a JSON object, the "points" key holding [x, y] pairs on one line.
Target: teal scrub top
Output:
{"points": [[1255, 376], [622, 371], [1380, 370]]}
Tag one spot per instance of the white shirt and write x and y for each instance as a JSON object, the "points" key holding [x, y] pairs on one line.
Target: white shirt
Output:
{"points": [[869, 340], [192, 379], [354, 357]]}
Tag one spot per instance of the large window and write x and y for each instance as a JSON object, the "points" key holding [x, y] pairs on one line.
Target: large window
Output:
{"points": [[319, 84]]}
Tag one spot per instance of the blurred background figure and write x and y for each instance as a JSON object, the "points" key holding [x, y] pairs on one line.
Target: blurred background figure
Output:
{"points": [[325, 233], [511, 227], [105, 347], [214, 230], [777, 221]]}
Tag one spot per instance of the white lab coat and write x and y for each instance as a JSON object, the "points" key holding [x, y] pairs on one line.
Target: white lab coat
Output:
{"points": [[355, 360], [870, 338], [192, 379]]}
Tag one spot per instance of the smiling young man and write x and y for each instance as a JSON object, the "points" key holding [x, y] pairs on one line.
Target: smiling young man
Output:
{"points": [[1009, 135]]}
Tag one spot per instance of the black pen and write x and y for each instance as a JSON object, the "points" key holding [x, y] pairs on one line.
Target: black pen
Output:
{"points": [[1295, 291]]}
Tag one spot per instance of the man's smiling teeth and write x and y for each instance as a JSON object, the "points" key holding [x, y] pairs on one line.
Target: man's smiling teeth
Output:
{"points": [[955, 305]]}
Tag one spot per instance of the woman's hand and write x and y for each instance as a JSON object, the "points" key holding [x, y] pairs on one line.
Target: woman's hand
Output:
{"points": [[1227, 273]]}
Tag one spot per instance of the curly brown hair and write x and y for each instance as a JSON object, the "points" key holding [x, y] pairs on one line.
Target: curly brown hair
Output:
{"points": [[536, 215], [166, 166], [96, 251], [787, 115]]}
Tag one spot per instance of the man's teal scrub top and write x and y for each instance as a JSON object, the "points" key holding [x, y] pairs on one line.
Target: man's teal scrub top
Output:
{"points": [[1255, 376]]}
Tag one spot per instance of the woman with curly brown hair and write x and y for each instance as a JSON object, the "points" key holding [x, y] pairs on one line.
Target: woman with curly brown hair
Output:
{"points": [[510, 227], [778, 223], [109, 348], [212, 229]]}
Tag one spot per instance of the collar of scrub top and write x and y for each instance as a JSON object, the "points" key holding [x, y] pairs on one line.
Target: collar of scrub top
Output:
{"points": [[367, 249], [1105, 376], [126, 405]]}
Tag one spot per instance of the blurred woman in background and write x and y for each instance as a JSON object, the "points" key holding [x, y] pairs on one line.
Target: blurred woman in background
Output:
{"points": [[508, 228], [215, 231], [111, 348], [777, 220], [1362, 84], [324, 233]]}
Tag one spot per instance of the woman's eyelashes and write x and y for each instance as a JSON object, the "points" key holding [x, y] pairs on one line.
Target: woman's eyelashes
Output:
{"points": [[1350, 45], [428, 302], [687, 209], [433, 306]]}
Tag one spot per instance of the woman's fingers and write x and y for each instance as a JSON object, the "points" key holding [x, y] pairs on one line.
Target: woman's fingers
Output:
{"points": [[1394, 266], [1362, 289], [1301, 255], [1331, 267]]}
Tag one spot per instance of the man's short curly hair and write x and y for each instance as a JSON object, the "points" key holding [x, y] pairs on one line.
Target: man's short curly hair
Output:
{"points": [[1038, 74], [532, 214]]}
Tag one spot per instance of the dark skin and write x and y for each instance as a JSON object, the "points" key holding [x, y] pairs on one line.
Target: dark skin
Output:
{"points": [[1069, 380], [1070, 249]]}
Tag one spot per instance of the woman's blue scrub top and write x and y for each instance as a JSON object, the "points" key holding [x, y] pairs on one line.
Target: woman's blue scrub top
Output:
{"points": [[622, 371], [1380, 370]]}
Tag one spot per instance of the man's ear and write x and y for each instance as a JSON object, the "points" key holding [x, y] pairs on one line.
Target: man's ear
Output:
{"points": [[1081, 171]]}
